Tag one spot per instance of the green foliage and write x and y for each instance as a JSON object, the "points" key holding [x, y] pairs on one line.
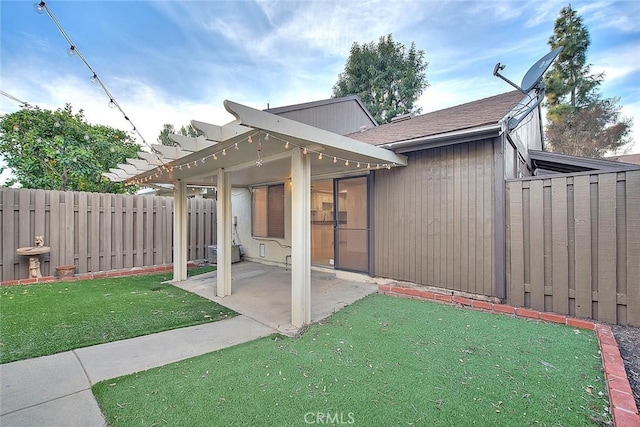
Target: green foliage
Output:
{"points": [[168, 129], [580, 122], [386, 76], [382, 361], [42, 319], [60, 150]]}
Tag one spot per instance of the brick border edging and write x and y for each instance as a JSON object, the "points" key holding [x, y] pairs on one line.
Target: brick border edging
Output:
{"points": [[621, 401], [135, 271]]}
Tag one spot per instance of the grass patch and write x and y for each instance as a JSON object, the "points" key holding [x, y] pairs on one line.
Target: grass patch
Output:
{"points": [[380, 361], [47, 318]]}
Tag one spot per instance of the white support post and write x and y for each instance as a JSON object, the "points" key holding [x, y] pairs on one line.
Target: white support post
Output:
{"points": [[223, 244], [180, 231], [300, 238]]}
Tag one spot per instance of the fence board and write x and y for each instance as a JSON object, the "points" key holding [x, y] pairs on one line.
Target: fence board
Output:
{"points": [[69, 228], [560, 277], [516, 261], [8, 243], [582, 221], [537, 244], [633, 248], [607, 248], [82, 232]]}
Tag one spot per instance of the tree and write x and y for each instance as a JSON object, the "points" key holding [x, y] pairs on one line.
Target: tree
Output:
{"points": [[60, 150], [386, 76], [580, 122], [168, 129]]}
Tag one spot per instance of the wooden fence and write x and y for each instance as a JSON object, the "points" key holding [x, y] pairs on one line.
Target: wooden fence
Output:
{"points": [[96, 232], [573, 245]]}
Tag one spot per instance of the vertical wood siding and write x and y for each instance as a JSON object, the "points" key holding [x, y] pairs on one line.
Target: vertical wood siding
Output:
{"points": [[434, 219], [96, 232], [573, 245]]}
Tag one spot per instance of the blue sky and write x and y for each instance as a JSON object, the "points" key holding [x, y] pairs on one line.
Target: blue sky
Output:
{"points": [[173, 61]]}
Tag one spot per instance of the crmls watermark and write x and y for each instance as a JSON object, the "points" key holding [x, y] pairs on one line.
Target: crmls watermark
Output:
{"points": [[329, 418]]}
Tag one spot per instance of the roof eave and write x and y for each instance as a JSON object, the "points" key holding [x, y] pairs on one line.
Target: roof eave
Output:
{"points": [[442, 139]]}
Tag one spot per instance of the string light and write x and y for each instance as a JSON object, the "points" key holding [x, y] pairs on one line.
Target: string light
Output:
{"points": [[320, 156], [304, 151], [286, 145], [73, 50], [23, 104], [335, 160], [224, 151], [346, 162]]}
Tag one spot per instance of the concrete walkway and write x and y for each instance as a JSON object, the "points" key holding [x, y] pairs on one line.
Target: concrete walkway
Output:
{"points": [[56, 390]]}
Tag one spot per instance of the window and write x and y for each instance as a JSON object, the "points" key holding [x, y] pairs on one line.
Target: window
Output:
{"points": [[268, 211]]}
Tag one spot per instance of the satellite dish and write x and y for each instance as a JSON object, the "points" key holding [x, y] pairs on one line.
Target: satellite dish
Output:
{"points": [[533, 77], [532, 80]]}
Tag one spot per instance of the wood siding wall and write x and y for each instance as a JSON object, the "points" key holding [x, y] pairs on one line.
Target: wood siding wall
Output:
{"points": [[434, 219], [96, 232], [573, 245]]}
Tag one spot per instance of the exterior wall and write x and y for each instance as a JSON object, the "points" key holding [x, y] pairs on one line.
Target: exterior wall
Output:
{"points": [[527, 136], [340, 117], [434, 219], [573, 245], [96, 231], [275, 250]]}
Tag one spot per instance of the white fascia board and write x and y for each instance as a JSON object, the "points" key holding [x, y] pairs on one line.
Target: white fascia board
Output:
{"points": [[191, 144], [151, 158], [171, 153], [271, 123], [220, 133], [129, 169], [140, 164]]}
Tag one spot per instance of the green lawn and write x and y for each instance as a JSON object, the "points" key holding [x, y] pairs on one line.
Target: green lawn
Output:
{"points": [[41, 319], [382, 361]]}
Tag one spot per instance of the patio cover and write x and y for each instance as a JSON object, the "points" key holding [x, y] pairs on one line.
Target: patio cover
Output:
{"points": [[256, 148]]}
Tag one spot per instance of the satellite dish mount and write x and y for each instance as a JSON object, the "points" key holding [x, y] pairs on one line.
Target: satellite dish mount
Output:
{"points": [[532, 81]]}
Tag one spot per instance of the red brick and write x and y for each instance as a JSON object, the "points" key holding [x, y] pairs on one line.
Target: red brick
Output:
{"points": [[622, 418], [503, 308], [462, 300], [615, 369], [552, 317], [410, 291], [384, 287], [525, 312], [606, 340], [618, 383], [443, 297], [99, 275], [427, 295], [28, 281], [610, 349], [10, 282], [579, 323], [484, 305], [620, 399]]}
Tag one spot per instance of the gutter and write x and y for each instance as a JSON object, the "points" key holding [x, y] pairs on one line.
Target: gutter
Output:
{"points": [[448, 138]]}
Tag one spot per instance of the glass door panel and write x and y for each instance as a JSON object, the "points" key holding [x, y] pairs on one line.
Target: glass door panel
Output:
{"points": [[352, 225], [322, 223]]}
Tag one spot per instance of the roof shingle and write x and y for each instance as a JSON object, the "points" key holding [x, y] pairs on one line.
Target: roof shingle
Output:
{"points": [[474, 114]]}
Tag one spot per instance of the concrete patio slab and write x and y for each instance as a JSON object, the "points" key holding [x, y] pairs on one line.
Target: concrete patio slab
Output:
{"points": [[263, 292], [34, 381], [124, 357]]}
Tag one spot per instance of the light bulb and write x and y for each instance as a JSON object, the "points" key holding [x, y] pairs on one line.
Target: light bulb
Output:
{"points": [[335, 160], [346, 162], [71, 51], [358, 165], [286, 145], [39, 7], [368, 165], [215, 157], [320, 156], [250, 140], [224, 151], [236, 146], [266, 137], [93, 78], [304, 151], [112, 103]]}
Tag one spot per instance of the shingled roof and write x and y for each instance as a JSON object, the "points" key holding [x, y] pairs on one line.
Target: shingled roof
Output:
{"points": [[480, 113]]}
